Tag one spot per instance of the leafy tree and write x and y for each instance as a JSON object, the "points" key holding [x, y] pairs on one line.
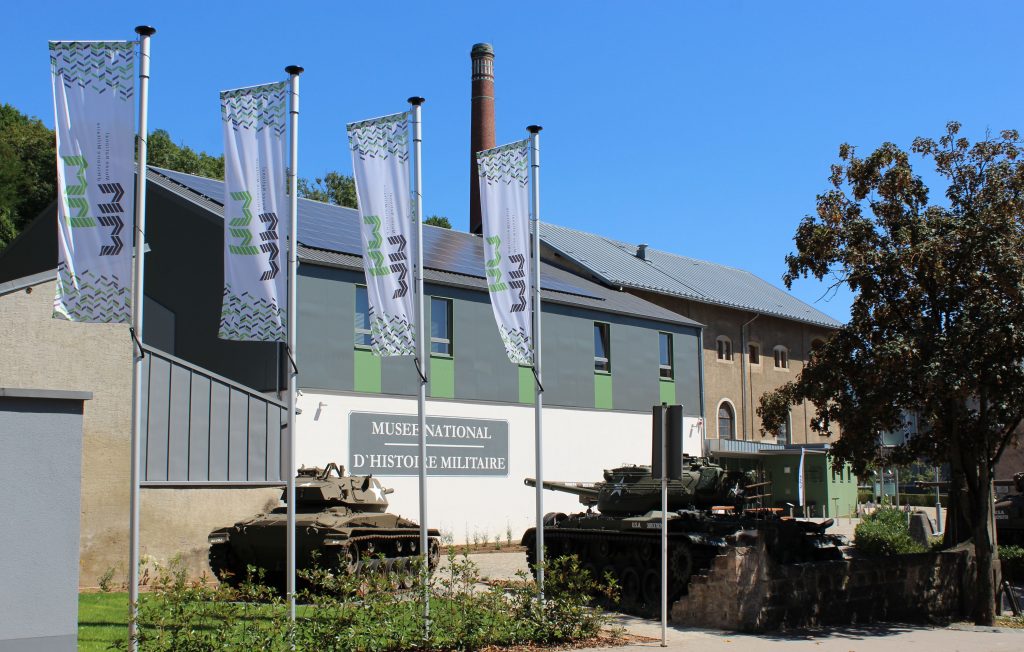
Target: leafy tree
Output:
{"points": [[28, 172], [438, 220], [332, 188], [935, 327], [163, 152]]}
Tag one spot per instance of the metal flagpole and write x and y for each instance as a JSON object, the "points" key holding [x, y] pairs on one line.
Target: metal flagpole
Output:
{"points": [[293, 266], [422, 359], [539, 400], [664, 523], [144, 32]]}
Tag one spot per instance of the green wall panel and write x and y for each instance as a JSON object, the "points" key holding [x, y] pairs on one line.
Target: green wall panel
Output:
{"points": [[367, 371], [442, 377], [527, 388], [603, 391], [668, 391]]}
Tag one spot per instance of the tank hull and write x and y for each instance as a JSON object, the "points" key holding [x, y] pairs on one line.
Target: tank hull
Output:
{"points": [[629, 549]]}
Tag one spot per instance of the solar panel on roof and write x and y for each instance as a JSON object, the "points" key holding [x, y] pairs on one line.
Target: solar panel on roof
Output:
{"points": [[336, 228]]}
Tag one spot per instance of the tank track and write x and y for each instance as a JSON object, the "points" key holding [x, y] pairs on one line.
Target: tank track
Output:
{"points": [[359, 555], [633, 560]]}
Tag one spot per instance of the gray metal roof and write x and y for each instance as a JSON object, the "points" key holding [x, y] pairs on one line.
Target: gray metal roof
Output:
{"points": [[616, 263], [329, 235]]}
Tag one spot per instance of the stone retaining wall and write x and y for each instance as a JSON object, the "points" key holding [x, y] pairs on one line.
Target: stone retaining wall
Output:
{"points": [[744, 590]]}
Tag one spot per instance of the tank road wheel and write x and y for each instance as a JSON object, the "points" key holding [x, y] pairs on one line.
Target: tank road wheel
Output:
{"points": [[601, 552], [406, 579], [651, 589], [350, 559], [225, 566], [434, 553], [629, 583], [680, 568]]}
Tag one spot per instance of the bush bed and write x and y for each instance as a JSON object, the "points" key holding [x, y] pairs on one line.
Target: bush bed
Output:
{"points": [[370, 612], [885, 532]]}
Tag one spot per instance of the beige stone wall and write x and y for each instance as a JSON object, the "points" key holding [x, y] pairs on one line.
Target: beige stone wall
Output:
{"points": [[40, 352], [724, 380]]}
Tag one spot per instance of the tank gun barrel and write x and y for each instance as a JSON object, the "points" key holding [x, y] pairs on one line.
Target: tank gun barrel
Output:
{"points": [[586, 491]]}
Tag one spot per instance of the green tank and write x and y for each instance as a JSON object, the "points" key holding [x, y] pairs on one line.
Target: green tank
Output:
{"points": [[341, 521], [709, 509]]}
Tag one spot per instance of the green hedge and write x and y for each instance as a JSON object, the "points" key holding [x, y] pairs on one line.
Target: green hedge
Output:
{"points": [[1012, 558], [885, 532]]}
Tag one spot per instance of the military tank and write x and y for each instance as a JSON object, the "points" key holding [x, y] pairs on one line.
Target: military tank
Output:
{"points": [[341, 523], [709, 509]]}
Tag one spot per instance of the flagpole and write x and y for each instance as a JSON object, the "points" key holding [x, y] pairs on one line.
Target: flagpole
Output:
{"points": [[293, 373], [421, 353], [144, 32], [539, 396]]}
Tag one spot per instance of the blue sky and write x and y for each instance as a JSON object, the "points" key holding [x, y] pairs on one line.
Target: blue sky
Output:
{"points": [[704, 129]]}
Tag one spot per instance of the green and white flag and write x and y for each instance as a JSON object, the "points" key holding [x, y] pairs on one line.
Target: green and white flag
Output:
{"points": [[255, 271], [93, 100], [504, 200], [380, 165]]}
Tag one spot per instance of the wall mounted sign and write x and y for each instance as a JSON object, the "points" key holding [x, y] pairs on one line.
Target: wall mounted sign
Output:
{"points": [[388, 445]]}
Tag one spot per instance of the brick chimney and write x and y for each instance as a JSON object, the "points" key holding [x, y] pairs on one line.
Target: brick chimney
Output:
{"points": [[481, 126]]}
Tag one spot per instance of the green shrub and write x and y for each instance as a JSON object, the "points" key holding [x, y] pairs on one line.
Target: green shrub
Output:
{"points": [[885, 532], [370, 611], [1012, 558]]}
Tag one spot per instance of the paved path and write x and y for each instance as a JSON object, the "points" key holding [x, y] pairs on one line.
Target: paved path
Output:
{"points": [[873, 638]]}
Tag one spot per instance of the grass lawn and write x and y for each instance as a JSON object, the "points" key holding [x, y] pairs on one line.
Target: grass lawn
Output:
{"points": [[102, 619]]}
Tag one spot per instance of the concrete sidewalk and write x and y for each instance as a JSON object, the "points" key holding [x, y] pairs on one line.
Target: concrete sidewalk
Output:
{"points": [[868, 638]]}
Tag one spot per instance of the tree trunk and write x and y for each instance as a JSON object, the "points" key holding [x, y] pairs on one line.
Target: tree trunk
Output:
{"points": [[958, 508], [985, 549]]}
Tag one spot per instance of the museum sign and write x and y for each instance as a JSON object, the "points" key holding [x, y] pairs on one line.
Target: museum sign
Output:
{"points": [[388, 445]]}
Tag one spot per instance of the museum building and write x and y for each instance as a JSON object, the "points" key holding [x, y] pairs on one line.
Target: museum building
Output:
{"points": [[214, 414]]}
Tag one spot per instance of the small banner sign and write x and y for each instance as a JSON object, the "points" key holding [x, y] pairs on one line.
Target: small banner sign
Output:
{"points": [[380, 165], [504, 200], [255, 270], [94, 103], [388, 445]]}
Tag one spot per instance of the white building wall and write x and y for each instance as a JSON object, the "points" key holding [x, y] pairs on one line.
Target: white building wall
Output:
{"points": [[578, 445]]}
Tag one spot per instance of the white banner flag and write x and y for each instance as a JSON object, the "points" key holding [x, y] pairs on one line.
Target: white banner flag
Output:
{"points": [[93, 99], [255, 270], [380, 165], [800, 479], [504, 199]]}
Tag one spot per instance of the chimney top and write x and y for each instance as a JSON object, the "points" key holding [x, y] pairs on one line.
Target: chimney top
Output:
{"points": [[641, 251], [482, 50]]}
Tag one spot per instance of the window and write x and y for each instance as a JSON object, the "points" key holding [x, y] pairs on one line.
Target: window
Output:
{"points": [[665, 360], [724, 348], [602, 348], [754, 353], [782, 435], [362, 321], [440, 326], [781, 357], [726, 421]]}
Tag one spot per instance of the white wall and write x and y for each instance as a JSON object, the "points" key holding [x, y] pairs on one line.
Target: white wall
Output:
{"points": [[578, 445]]}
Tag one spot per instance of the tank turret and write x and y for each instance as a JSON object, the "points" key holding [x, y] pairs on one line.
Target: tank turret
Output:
{"points": [[316, 489], [341, 522], [632, 489]]}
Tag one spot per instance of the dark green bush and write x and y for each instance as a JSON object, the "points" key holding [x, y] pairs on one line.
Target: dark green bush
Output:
{"points": [[1012, 558], [885, 532]]}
